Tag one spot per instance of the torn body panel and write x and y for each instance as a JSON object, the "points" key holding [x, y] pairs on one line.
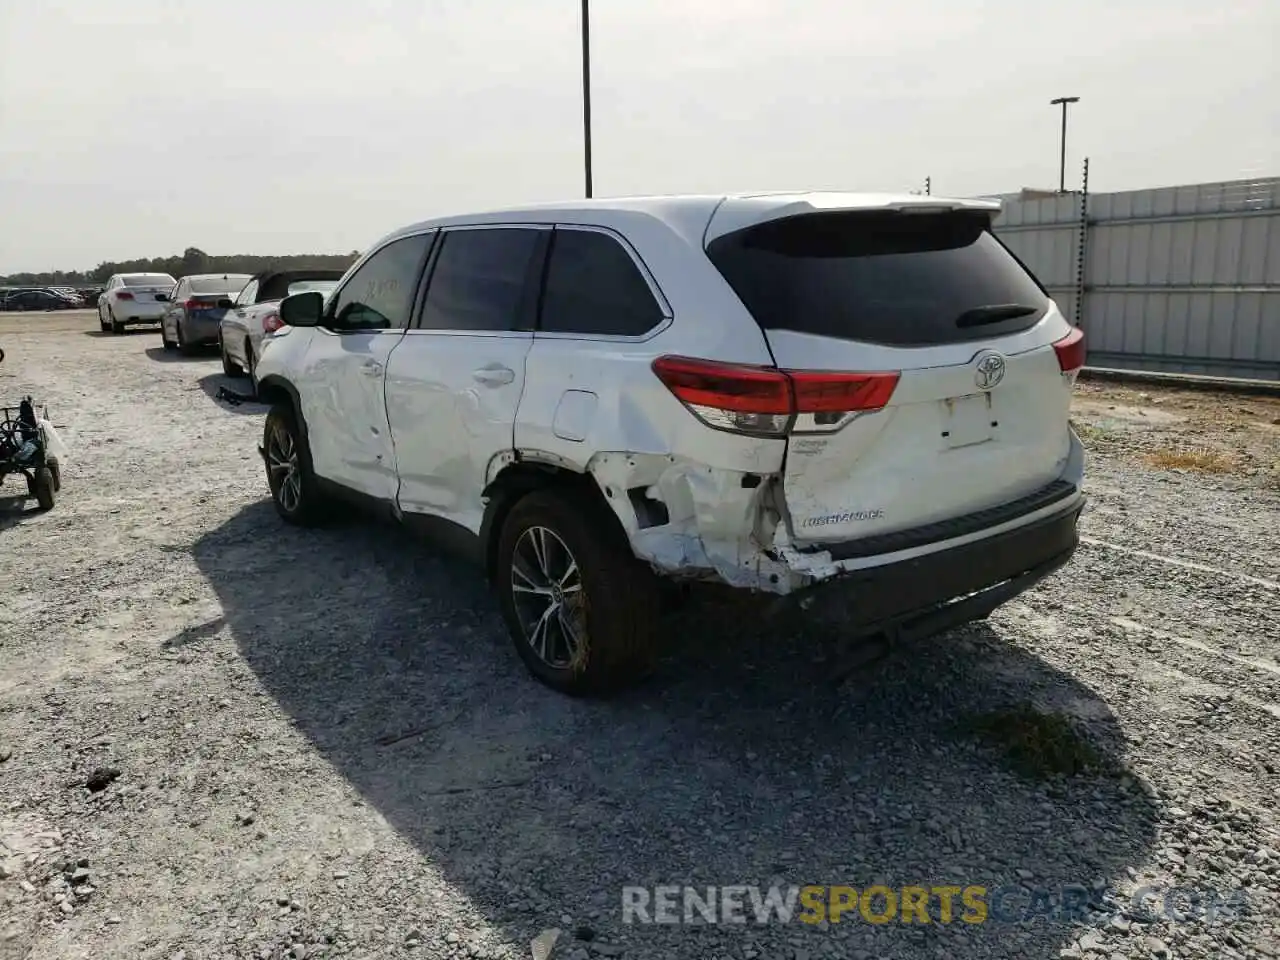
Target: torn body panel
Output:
{"points": [[717, 524], [691, 521]]}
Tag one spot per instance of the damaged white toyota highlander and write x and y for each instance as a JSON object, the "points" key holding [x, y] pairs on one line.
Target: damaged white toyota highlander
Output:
{"points": [[859, 400]]}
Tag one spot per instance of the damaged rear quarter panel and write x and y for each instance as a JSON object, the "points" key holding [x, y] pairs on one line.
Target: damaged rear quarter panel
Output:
{"points": [[719, 524]]}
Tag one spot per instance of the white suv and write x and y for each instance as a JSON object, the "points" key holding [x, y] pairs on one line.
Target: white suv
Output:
{"points": [[861, 400]]}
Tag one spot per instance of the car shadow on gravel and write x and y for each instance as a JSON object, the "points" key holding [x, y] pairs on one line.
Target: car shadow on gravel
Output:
{"points": [[15, 507], [128, 332], [742, 762], [160, 355], [240, 390]]}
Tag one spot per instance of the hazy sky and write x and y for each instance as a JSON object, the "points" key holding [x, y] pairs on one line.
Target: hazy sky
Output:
{"points": [[140, 127]]}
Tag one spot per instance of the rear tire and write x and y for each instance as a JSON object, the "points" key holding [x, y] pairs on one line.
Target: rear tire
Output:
{"points": [[183, 347], [252, 361], [294, 488], [229, 367], [43, 488], [56, 469], [596, 632], [116, 326]]}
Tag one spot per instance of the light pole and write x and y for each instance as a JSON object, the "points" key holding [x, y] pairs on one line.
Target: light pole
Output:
{"points": [[1062, 167], [586, 93]]}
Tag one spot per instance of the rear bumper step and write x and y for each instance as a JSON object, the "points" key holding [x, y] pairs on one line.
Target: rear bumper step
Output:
{"points": [[956, 527], [928, 594]]}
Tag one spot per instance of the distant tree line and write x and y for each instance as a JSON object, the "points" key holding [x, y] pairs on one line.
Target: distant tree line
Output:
{"points": [[192, 260]]}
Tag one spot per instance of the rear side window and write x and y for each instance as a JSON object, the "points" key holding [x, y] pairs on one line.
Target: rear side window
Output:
{"points": [[481, 279], [594, 287], [379, 296], [880, 277]]}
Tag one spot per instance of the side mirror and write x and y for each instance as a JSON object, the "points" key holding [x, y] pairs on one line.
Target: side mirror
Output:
{"points": [[302, 309], [162, 297], [225, 303]]}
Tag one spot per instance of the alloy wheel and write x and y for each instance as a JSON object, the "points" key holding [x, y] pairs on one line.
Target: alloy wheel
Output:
{"points": [[546, 585], [282, 462]]}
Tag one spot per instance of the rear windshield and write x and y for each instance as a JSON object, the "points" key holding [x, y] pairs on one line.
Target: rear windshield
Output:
{"points": [[150, 280], [309, 286], [880, 277], [229, 285]]}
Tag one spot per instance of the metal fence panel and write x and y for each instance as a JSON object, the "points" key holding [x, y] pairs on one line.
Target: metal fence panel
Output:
{"points": [[1183, 279]]}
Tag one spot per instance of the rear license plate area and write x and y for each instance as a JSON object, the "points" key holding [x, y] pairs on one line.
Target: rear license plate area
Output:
{"points": [[968, 420]]}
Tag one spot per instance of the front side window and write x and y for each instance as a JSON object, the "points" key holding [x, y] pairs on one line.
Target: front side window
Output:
{"points": [[480, 279], [379, 296], [593, 286]]}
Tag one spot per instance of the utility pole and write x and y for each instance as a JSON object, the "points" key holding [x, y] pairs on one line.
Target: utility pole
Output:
{"points": [[1062, 165], [586, 92]]}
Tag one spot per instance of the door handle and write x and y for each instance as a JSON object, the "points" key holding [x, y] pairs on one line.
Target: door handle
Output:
{"points": [[494, 375], [371, 368]]}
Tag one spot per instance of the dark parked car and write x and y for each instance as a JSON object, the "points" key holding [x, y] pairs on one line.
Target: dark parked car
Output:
{"points": [[36, 299], [194, 307]]}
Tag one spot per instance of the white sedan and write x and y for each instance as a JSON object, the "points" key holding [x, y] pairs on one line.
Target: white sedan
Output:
{"points": [[130, 299], [256, 314]]}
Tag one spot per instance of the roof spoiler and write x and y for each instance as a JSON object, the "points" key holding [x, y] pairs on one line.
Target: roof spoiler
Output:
{"points": [[739, 213]]}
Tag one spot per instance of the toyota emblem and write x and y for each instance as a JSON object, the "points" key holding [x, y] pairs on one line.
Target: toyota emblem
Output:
{"points": [[990, 371]]}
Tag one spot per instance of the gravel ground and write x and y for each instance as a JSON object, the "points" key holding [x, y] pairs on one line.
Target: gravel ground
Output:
{"points": [[220, 737]]}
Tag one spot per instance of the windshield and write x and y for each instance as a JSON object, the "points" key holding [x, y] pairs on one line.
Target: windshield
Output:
{"points": [[308, 286], [231, 284], [150, 280]]}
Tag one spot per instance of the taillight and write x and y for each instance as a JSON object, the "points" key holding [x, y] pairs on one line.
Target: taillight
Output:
{"points": [[1070, 351], [124, 295], [766, 401], [742, 399], [196, 305], [819, 392], [271, 322]]}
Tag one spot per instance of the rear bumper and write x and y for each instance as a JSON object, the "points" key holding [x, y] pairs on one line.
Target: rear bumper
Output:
{"points": [[126, 312], [201, 330], [939, 590]]}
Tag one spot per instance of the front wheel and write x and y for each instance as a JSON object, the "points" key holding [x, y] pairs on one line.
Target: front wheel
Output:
{"points": [[581, 610], [292, 482]]}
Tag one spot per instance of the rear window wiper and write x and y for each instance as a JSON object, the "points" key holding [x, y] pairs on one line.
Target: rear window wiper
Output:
{"points": [[994, 313]]}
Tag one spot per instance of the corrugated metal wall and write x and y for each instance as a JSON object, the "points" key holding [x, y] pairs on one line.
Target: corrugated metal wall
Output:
{"points": [[1181, 279]]}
